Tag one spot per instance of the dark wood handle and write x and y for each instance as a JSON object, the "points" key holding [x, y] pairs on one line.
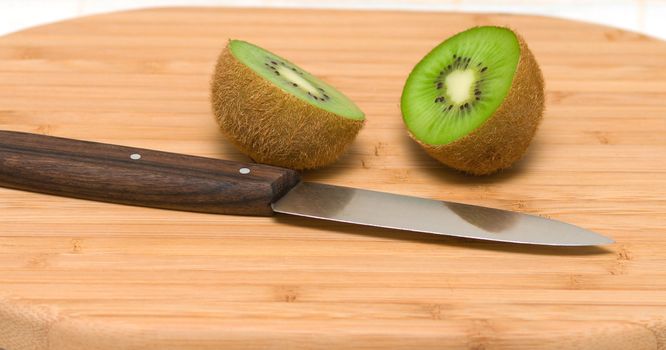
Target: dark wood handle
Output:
{"points": [[142, 177]]}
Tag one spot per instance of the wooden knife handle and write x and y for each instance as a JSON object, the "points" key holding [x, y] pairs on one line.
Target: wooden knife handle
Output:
{"points": [[141, 177]]}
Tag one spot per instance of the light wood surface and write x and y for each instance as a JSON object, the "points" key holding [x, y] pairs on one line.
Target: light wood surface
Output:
{"points": [[77, 275]]}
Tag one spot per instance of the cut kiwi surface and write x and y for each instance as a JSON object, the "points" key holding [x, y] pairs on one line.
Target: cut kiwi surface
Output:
{"points": [[474, 102], [459, 84], [294, 80], [277, 113]]}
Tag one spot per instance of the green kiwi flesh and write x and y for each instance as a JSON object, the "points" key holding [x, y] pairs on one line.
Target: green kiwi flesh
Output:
{"points": [[474, 102], [294, 80]]}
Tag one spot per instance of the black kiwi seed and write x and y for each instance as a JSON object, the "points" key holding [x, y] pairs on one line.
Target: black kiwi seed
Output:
{"points": [[294, 84], [273, 62], [450, 108], [483, 69], [326, 96], [277, 73], [439, 85]]}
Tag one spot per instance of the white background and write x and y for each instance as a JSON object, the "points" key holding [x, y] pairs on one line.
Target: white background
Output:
{"points": [[646, 16]]}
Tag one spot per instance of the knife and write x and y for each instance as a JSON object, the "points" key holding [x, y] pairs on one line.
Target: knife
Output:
{"points": [[141, 177]]}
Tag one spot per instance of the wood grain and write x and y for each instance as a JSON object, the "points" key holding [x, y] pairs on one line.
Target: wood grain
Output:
{"points": [[76, 274], [136, 176]]}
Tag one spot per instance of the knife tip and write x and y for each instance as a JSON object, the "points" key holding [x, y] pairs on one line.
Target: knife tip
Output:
{"points": [[596, 240]]}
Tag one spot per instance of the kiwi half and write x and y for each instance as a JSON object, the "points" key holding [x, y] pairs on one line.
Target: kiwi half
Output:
{"points": [[277, 113], [475, 101]]}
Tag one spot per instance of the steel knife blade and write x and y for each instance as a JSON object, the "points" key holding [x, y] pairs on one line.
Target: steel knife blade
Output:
{"points": [[380, 209]]}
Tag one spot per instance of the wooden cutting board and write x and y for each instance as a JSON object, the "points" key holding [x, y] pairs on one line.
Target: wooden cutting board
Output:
{"points": [[83, 275]]}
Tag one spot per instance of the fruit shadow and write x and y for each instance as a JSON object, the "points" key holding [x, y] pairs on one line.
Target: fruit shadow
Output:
{"points": [[342, 165], [229, 152], [450, 175], [433, 239]]}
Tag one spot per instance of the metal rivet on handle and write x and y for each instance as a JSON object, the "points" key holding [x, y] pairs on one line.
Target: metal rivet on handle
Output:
{"points": [[244, 171], [135, 156]]}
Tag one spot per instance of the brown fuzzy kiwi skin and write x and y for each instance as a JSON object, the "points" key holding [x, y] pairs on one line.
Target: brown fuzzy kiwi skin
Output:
{"points": [[272, 126], [505, 136]]}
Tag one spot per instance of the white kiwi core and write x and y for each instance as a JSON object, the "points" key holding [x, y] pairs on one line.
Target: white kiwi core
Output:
{"points": [[459, 85], [298, 79]]}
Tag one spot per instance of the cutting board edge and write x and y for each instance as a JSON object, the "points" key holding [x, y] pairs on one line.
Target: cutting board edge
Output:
{"points": [[339, 10]]}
